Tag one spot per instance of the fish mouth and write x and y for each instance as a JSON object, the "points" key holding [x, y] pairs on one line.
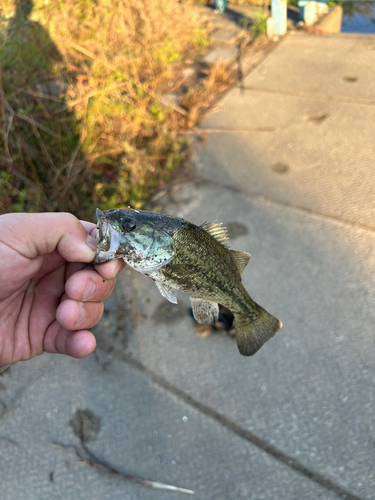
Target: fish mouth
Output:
{"points": [[108, 239]]}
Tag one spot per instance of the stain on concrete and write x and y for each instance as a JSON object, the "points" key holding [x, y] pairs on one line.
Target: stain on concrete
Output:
{"points": [[167, 312], [318, 117], [280, 168], [85, 425], [235, 230]]}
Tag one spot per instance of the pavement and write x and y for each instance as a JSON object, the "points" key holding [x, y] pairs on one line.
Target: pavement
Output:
{"points": [[288, 165]]}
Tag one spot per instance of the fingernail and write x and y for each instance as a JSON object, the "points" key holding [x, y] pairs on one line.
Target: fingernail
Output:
{"points": [[91, 242], [81, 315], [89, 290]]}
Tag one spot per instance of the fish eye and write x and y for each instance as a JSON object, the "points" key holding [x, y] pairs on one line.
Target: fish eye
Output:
{"points": [[128, 225]]}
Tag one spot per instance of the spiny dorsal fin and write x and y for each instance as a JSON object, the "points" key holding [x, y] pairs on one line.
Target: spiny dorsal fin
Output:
{"points": [[216, 230], [241, 259]]}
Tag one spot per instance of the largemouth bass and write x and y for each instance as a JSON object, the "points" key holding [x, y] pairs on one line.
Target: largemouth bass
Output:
{"points": [[179, 255]]}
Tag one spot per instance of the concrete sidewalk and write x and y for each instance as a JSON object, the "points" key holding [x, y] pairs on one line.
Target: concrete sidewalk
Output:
{"points": [[291, 173]]}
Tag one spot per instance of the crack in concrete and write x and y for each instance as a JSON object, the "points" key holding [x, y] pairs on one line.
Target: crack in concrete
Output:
{"points": [[322, 97], [259, 197], [263, 445]]}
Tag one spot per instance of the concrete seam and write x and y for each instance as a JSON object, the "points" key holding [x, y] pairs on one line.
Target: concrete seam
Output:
{"points": [[321, 97], [243, 433], [323, 215]]}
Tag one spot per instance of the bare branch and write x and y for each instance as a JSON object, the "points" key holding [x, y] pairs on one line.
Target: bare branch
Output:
{"points": [[37, 124], [99, 467]]}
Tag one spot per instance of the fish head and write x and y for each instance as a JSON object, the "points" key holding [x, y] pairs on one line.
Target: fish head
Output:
{"points": [[133, 236]]}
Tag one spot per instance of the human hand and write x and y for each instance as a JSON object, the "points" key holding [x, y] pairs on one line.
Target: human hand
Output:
{"points": [[49, 293]]}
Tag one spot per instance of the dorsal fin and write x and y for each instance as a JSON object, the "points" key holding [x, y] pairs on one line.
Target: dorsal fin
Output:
{"points": [[241, 259], [216, 230]]}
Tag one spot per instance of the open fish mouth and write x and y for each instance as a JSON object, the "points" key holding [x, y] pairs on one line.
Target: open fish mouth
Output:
{"points": [[108, 239]]}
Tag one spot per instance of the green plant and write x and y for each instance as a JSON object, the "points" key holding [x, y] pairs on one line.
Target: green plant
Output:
{"points": [[81, 124], [256, 25]]}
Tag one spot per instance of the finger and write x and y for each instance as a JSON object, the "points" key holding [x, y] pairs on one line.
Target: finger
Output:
{"points": [[39, 234], [75, 267], [90, 227], [77, 344], [88, 285], [75, 315], [110, 269]]}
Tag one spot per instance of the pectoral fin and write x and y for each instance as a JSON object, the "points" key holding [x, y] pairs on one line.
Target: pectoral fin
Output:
{"points": [[205, 312], [167, 292]]}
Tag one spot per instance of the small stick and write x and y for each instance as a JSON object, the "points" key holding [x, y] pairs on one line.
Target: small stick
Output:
{"points": [[9, 441], [29, 384], [44, 96], [74, 102], [180, 110], [113, 472], [89, 54], [45, 111], [44, 149], [37, 124], [5, 413]]}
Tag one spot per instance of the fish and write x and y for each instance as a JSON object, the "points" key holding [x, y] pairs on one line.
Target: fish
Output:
{"points": [[179, 255]]}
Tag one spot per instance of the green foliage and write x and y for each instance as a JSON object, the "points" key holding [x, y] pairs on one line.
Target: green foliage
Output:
{"points": [[83, 125], [201, 37], [256, 26]]}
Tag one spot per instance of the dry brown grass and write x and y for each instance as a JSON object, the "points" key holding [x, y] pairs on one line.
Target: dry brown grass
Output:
{"points": [[200, 98], [81, 124]]}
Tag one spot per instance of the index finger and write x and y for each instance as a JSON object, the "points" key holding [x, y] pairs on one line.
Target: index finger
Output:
{"points": [[39, 234]]}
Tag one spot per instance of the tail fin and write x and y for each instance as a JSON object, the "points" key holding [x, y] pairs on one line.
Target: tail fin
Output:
{"points": [[252, 334]]}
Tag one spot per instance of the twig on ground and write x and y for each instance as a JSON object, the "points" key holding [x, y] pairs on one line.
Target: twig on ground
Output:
{"points": [[9, 441], [97, 465], [9, 406], [179, 110], [177, 84]]}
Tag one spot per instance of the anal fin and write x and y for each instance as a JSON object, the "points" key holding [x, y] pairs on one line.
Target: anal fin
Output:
{"points": [[204, 311], [167, 292]]}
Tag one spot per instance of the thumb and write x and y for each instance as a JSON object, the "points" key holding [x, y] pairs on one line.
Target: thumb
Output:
{"points": [[39, 234]]}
